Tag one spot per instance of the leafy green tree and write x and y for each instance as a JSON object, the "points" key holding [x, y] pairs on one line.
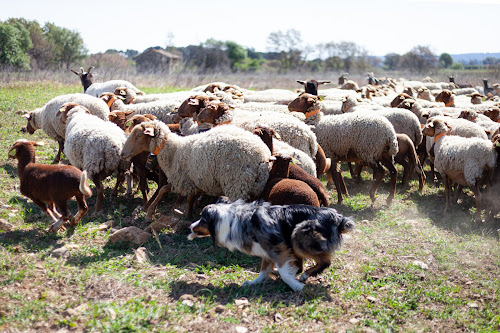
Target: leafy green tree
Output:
{"points": [[69, 46], [445, 60], [14, 43], [419, 59], [236, 54]]}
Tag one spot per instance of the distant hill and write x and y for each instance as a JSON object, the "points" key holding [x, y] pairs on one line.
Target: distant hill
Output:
{"points": [[467, 58]]}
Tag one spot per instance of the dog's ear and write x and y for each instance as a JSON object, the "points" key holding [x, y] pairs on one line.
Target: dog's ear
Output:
{"points": [[224, 200]]}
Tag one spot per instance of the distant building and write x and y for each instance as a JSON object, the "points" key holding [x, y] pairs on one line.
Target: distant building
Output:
{"points": [[156, 61]]}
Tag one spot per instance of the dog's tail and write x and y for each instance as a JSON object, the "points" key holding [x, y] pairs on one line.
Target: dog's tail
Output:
{"points": [[346, 225]]}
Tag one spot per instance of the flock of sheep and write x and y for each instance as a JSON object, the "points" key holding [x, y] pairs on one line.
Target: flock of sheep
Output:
{"points": [[222, 140]]}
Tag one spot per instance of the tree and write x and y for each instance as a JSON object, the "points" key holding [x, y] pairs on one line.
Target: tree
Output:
{"points": [[14, 44], [392, 61], [69, 46], [288, 45], [419, 59], [445, 60], [236, 53]]}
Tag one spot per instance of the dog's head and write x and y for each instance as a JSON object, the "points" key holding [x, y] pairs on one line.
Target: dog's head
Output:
{"points": [[205, 226]]}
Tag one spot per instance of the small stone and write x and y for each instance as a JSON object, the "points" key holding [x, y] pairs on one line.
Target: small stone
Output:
{"points": [[141, 255], [372, 299], [70, 313], [111, 313], [187, 302], [106, 225], [130, 235], [241, 302], [5, 226], [473, 305], [241, 329], [71, 246], [219, 309], [61, 252], [278, 317], [420, 264], [162, 223], [354, 321], [82, 308]]}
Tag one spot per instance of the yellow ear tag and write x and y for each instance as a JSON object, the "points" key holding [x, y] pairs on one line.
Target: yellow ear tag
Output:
{"points": [[498, 144], [128, 123], [12, 153], [321, 98]]}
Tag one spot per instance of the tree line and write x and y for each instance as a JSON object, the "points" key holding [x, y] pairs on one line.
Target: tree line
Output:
{"points": [[27, 45]]}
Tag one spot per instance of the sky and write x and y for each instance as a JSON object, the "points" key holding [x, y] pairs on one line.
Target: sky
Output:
{"points": [[379, 26]]}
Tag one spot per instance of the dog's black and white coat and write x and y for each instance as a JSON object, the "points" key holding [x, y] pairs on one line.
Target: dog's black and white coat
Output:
{"points": [[282, 235]]}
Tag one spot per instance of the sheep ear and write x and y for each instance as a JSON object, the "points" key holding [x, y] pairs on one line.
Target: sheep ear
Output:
{"points": [[75, 72], [231, 107], [311, 100], [27, 116], [194, 101], [301, 82], [38, 143], [112, 115], [128, 113], [123, 92], [150, 131], [276, 135]]}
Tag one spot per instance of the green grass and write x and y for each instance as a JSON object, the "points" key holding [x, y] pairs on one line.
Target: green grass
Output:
{"points": [[375, 281]]}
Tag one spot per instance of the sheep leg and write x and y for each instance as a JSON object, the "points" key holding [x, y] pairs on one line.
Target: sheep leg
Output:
{"points": [[151, 209], [63, 207], [120, 178], [337, 180], [82, 209], [447, 190], [52, 208], [477, 196], [378, 173], [357, 172], [190, 203], [387, 162], [352, 170], [162, 181], [406, 172], [458, 191], [323, 261], [100, 192], [57, 159]]}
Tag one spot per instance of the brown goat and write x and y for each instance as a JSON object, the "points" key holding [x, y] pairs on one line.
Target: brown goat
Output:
{"points": [[281, 190], [50, 186], [294, 171]]}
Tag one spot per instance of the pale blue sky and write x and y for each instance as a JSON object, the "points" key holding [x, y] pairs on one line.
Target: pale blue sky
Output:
{"points": [[380, 26]]}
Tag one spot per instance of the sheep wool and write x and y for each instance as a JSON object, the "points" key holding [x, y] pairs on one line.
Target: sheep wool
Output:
{"points": [[226, 160]]}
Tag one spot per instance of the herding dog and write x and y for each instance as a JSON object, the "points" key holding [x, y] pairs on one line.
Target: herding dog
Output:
{"points": [[282, 235]]}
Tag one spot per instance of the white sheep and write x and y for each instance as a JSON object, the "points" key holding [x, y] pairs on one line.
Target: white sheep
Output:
{"points": [[96, 89], [225, 160], [94, 145], [404, 121], [353, 137], [162, 109], [44, 117], [466, 161]]}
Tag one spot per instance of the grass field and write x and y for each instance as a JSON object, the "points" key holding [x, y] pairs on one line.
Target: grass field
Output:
{"points": [[407, 267]]}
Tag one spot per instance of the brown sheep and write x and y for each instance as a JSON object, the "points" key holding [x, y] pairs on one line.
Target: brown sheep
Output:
{"points": [[295, 172], [281, 190], [399, 99], [50, 186], [193, 105], [447, 97]]}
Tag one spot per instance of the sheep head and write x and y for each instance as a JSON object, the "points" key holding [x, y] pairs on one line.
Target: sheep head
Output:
{"points": [[213, 87], [303, 103], [23, 145], [435, 127], [445, 96], [120, 117], [136, 120], [70, 107], [266, 134], [493, 113], [139, 140], [126, 94], [467, 114], [213, 112], [399, 98], [110, 99], [194, 104], [30, 126]]}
